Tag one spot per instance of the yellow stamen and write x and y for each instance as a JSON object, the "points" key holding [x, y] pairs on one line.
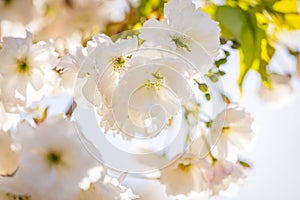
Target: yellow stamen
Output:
{"points": [[54, 158], [119, 64], [226, 130], [158, 81], [181, 43], [23, 67], [185, 167]]}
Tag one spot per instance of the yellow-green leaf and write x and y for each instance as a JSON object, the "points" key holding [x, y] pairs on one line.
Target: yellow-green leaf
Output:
{"points": [[231, 21], [250, 38], [293, 21], [285, 6]]}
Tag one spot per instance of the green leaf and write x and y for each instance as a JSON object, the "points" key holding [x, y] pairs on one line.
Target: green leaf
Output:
{"points": [[267, 52], [251, 37], [242, 26], [264, 73], [148, 6], [284, 14], [268, 3], [231, 21]]}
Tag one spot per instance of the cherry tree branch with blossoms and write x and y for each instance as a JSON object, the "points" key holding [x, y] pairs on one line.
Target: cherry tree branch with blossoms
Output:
{"points": [[138, 92]]}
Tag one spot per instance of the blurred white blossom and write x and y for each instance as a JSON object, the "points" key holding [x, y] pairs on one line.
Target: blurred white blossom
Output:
{"points": [[52, 161], [280, 92], [105, 188], [18, 11], [231, 133], [8, 120], [8, 157]]}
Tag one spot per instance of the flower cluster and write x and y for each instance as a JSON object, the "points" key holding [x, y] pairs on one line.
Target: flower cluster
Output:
{"points": [[49, 162], [139, 85], [230, 135]]}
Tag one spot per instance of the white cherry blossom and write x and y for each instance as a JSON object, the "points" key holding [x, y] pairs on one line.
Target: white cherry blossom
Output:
{"points": [[187, 174], [232, 131], [145, 96], [225, 174], [52, 161], [26, 66], [101, 66], [190, 174], [186, 30]]}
